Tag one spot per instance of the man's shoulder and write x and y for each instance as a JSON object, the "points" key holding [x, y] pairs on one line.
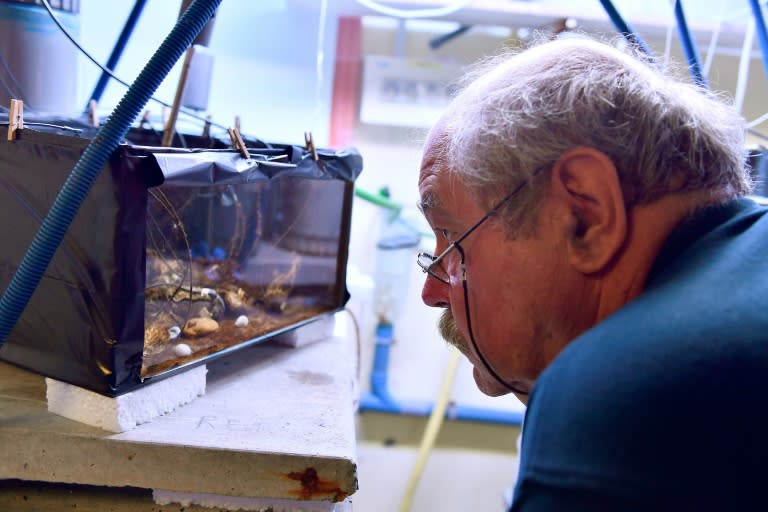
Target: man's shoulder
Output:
{"points": [[659, 397], [650, 425]]}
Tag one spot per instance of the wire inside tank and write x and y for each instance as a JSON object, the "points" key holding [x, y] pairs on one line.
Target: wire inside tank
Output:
{"points": [[227, 264]]}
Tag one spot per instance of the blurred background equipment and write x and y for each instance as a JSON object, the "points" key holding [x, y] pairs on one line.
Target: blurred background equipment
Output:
{"points": [[37, 64]]}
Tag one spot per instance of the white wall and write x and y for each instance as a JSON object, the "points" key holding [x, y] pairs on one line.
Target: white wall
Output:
{"points": [[265, 65]]}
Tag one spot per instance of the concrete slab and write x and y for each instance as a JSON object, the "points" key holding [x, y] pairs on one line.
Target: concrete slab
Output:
{"points": [[276, 422]]}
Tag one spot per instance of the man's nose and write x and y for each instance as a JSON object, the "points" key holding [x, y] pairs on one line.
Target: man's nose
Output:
{"points": [[435, 293]]}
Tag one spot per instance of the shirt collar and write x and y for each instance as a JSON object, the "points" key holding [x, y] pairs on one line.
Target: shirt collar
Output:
{"points": [[693, 228]]}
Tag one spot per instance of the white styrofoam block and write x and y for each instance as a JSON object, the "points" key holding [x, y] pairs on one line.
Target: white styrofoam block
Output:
{"points": [[317, 330], [124, 412], [186, 499]]}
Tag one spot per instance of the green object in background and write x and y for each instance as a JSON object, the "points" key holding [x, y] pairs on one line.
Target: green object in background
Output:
{"points": [[381, 199]]}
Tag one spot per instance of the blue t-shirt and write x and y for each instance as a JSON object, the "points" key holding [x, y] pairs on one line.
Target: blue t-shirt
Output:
{"points": [[664, 404]]}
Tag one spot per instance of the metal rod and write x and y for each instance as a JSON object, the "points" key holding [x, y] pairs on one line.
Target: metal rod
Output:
{"points": [[117, 51], [689, 46], [624, 28], [762, 33]]}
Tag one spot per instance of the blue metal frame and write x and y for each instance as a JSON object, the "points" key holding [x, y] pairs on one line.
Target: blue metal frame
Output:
{"points": [[117, 51], [689, 46], [762, 34], [624, 28]]}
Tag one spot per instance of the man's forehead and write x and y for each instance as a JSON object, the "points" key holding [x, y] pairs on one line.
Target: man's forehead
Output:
{"points": [[440, 190], [430, 201], [433, 168]]}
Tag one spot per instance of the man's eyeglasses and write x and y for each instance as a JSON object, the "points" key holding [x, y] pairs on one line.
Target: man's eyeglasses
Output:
{"points": [[433, 266]]}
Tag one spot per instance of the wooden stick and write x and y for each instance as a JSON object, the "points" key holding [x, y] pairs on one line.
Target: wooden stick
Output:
{"points": [[207, 126], [170, 127]]}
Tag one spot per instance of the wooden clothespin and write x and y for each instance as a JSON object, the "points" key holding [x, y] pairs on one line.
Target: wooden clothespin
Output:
{"points": [[15, 118], [237, 124], [207, 126], [309, 144], [237, 142], [92, 117]]}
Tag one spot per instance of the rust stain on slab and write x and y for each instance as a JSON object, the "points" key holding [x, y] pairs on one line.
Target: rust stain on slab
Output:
{"points": [[314, 487]]}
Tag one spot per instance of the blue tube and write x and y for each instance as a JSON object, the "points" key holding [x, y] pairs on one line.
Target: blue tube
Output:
{"points": [[624, 28], [439, 41], [369, 402], [117, 51], [381, 400], [79, 183], [762, 34], [689, 46], [381, 362], [372, 402]]}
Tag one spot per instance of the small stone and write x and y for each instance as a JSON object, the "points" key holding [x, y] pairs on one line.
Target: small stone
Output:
{"points": [[241, 321], [200, 326], [174, 332], [182, 350], [234, 299]]}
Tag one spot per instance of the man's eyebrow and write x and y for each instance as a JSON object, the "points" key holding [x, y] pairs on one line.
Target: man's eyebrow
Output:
{"points": [[428, 202]]}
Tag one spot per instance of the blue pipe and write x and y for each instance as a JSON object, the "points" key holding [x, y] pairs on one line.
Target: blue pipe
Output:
{"points": [[384, 340], [439, 41], [624, 28], [371, 403], [762, 33], [689, 46], [78, 184], [381, 400], [117, 51]]}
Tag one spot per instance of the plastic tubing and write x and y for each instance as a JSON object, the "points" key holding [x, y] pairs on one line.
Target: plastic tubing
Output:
{"points": [[117, 51], [370, 402], [624, 28], [380, 399], [381, 364], [79, 183], [762, 33], [689, 46], [441, 40], [378, 199]]}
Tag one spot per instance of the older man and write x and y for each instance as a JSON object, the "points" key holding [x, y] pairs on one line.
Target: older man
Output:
{"points": [[595, 256]]}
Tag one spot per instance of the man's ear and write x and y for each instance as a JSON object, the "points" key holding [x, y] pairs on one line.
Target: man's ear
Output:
{"points": [[586, 184]]}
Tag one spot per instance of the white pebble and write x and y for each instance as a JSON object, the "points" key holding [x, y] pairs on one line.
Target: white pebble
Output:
{"points": [[241, 321], [174, 332], [182, 350]]}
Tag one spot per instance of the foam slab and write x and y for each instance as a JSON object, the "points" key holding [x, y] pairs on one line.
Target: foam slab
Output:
{"points": [[126, 411], [220, 502], [317, 330]]}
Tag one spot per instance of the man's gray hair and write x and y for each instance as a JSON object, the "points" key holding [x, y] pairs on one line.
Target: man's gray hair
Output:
{"points": [[517, 115]]}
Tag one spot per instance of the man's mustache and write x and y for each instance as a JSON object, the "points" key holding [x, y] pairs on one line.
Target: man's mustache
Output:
{"points": [[450, 332]]}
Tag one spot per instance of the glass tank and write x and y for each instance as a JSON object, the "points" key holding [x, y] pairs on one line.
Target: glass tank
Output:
{"points": [[178, 255]]}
